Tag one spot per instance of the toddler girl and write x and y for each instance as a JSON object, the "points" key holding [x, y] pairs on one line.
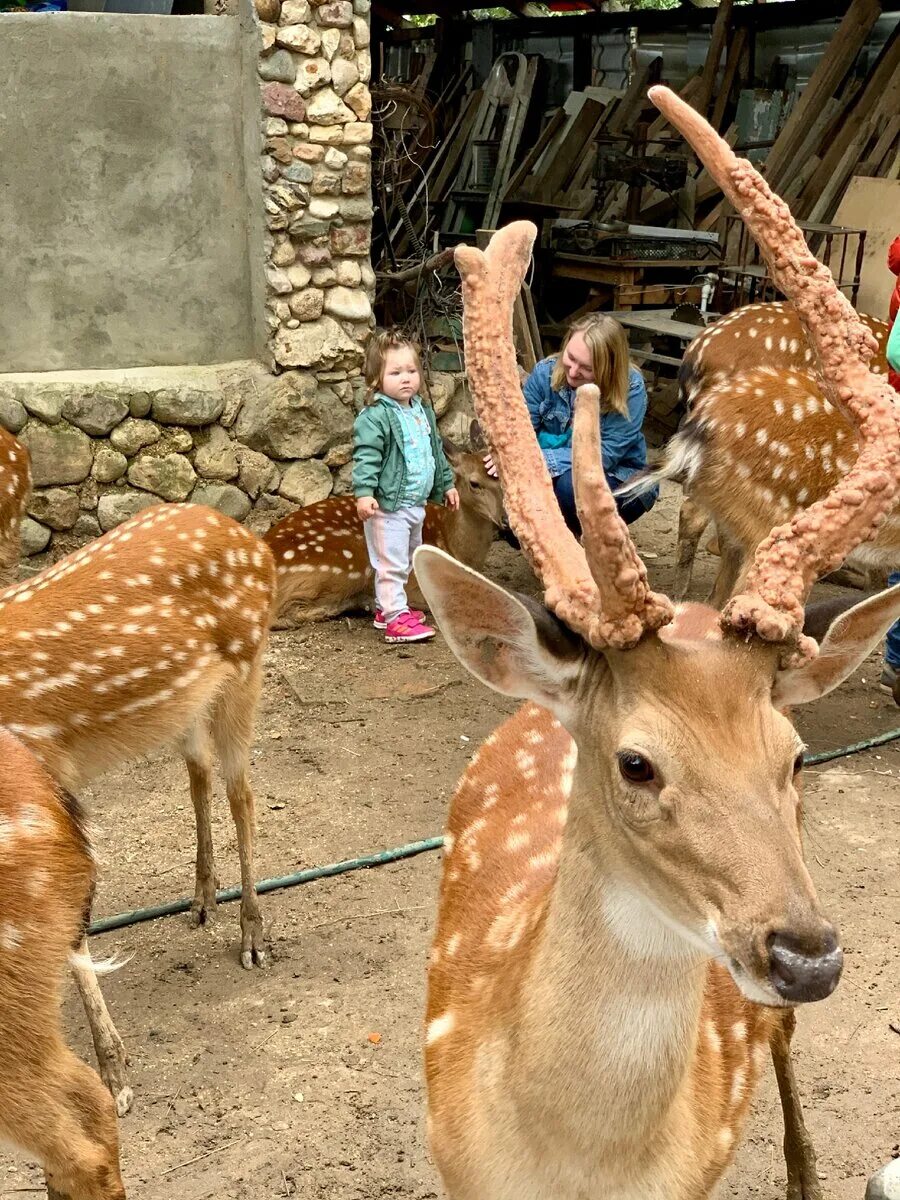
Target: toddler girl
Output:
{"points": [[398, 464]]}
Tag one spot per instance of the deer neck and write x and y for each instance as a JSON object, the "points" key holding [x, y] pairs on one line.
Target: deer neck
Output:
{"points": [[615, 999], [467, 536]]}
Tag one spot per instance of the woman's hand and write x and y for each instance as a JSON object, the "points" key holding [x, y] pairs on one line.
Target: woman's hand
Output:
{"points": [[366, 506], [490, 466], [452, 499]]}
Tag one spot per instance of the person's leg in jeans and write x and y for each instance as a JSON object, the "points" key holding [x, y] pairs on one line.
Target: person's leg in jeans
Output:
{"points": [[388, 542], [892, 644], [564, 490]]}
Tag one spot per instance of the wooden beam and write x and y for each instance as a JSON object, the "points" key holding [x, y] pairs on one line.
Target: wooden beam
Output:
{"points": [[717, 44], [839, 55]]}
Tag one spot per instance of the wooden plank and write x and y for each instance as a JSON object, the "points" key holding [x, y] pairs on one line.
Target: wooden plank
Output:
{"points": [[717, 43], [873, 205], [827, 201], [563, 157], [881, 93], [732, 64], [548, 133], [629, 107], [839, 56]]}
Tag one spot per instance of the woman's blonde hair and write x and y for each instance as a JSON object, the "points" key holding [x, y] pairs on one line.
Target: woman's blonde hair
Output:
{"points": [[376, 353], [608, 346]]}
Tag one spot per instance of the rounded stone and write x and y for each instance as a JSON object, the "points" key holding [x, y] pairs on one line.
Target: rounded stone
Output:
{"points": [[224, 497], [46, 405], [188, 406], [344, 74], [216, 457], [139, 404], [56, 507], [59, 453], [351, 304], [331, 40], [298, 172], [312, 73], [169, 476], [307, 304], [327, 108], [279, 67], [360, 100], [13, 415], [86, 527], [109, 465], [34, 537], [133, 435], [301, 38], [281, 100], [258, 473], [116, 507], [336, 13], [306, 482], [96, 413], [295, 12]]}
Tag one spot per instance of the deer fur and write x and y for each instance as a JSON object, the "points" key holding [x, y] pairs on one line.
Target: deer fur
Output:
{"points": [[15, 490], [53, 1107]]}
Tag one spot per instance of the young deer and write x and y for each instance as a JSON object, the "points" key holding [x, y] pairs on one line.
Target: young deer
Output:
{"points": [[626, 919], [52, 1105], [153, 634], [320, 552], [761, 441], [15, 488]]}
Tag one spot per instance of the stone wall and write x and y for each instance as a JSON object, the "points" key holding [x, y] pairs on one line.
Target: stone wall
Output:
{"points": [[250, 443], [317, 170]]}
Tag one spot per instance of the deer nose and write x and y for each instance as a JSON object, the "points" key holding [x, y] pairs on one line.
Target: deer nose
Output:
{"points": [[800, 972]]}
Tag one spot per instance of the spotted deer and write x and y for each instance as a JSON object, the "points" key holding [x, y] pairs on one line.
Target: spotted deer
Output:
{"points": [[761, 441], [15, 488], [151, 635], [52, 1105], [625, 918], [320, 551]]}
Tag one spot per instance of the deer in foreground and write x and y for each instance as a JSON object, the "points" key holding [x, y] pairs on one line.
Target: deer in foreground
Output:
{"points": [[15, 488], [320, 551], [761, 441], [626, 920], [52, 1105], [151, 635]]}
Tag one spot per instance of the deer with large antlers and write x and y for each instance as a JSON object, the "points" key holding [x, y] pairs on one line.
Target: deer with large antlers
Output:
{"points": [[52, 1105], [626, 920], [321, 560], [762, 440], [151, 635], [15, 488]]}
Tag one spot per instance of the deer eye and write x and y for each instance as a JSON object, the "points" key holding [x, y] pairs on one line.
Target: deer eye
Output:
{"points": [[635, 768], [474, 484]]}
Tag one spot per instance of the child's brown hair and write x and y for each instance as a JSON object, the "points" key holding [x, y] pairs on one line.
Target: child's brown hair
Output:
{"points": [[376, 352]]}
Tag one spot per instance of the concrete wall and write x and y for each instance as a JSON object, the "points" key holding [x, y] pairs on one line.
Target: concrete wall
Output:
{"points": [[126, 214]]}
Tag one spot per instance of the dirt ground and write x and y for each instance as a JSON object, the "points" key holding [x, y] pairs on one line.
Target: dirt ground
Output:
{"points": [[268, 1084]]}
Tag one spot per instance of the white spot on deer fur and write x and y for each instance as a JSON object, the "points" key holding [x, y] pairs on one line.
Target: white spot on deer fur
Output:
{"points": [[762, 436], [439, 1027], [769, 343], [739, 1031], [802, 495], [752, 331], [797, 412], [10, 936], [812, 405], [517, 841], [743, 470], [740, 429], [737, 1086], [288, 554], [726, 1137], [809, 451], [453, 944], [778, 405]]}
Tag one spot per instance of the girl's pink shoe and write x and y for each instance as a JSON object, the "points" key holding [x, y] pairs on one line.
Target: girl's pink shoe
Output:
{"points": [[408, 627], [380, 623]]}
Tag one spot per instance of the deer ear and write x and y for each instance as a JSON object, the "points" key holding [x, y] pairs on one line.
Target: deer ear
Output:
{"points": [[508, 642], [451, 450], [850, 638]]}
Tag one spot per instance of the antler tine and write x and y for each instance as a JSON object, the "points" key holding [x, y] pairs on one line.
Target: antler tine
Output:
{"points": [[628, 607], [793, 556], [491, 281]]}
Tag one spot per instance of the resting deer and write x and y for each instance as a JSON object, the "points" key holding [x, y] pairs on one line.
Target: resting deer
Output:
{"points": [[153, 634], [15, 488], [52, 1105], [761, 441], [320, 551], [626, 920]]}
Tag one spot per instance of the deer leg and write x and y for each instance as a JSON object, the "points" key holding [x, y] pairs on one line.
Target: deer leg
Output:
{"points": [[77, 1141], [195, 749], [731, 567], [692, 520], [233, 732], [799, 1153], [108, 1046]]}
